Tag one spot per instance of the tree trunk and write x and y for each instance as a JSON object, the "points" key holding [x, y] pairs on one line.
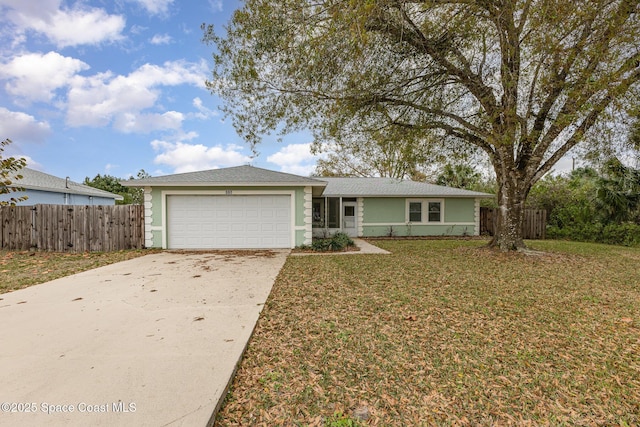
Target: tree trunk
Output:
{"points": [[509, 227]]}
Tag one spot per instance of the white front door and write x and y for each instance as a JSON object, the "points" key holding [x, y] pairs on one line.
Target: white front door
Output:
{"points": [[349, 218]]}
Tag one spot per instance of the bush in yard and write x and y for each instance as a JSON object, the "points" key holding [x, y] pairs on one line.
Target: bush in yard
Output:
{"points": [[589, 205], [626, 234], [337, 242]]}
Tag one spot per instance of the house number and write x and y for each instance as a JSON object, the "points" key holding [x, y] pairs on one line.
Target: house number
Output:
{"points": [[228, 192]]}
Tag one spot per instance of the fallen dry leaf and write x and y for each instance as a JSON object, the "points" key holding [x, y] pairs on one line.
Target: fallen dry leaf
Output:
{"points": [[515, 340]]}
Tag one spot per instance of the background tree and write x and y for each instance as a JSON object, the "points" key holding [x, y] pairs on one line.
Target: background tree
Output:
{"points": [[591, 205], [459, 176], [383, 154], [617, 195], [525, 81], [137, 193], [568, 199], [112, 184], [9, 173]]}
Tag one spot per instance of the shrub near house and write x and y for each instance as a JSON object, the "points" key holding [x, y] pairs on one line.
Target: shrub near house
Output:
{"points": [[337, 242]]}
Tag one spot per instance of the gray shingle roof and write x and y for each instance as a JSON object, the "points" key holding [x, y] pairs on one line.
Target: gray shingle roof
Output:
{"points": [[36, 180], [390, 187], [234, 176]]}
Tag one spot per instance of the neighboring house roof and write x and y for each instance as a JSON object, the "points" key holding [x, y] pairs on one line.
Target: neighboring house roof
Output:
{"points": [[390, 187], [36, 180], [234, 176]]}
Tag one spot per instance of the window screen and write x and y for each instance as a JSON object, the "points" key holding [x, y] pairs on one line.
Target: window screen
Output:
{"points": [[415, 211], [434, 211]]}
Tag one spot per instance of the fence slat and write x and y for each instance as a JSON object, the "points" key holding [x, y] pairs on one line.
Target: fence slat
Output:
{"points": [[534, 226], [69, 228]]}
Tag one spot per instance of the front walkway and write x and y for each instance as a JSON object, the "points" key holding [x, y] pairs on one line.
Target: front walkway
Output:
{"points": [[368, 248]]}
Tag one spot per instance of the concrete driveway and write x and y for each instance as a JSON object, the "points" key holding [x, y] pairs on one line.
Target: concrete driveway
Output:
{"points": [[151, 341]]}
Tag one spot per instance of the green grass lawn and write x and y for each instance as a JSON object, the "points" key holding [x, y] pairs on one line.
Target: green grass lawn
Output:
{"points": [[447, 333], [22, 269]]}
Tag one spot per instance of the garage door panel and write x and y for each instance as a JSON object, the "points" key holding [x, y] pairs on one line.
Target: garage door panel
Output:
{"points": [[238, 227], [222, 215], [253, 227], [223, 227], [281, 228], [202, 222]]}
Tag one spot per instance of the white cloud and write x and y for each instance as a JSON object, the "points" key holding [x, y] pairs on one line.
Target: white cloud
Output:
{"points": [[155, 6], [159, 39], [183, 157], [95, 100], [104, 98], [203, 112], [78, 27], [64, 27], [32, 164], [35, 77], [216, 5], [138, 29], [171, 73], [20, 127], [295, 158], [144, 123]]}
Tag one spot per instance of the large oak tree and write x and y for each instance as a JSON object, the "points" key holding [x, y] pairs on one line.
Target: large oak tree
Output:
{"points": [[523, 80]]}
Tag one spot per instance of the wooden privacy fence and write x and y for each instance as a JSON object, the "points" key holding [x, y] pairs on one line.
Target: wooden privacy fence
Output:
{"points": [[70, 228], [534, 227]]}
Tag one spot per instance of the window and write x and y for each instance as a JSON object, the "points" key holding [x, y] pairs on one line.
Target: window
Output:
{"points": [[333, 217], [318, 211], [434, 211], [415, 211], [424, 211], [326, 212]]}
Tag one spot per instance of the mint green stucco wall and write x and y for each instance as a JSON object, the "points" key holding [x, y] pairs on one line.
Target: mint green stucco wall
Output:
{"points": [[157, 206], [385, 215], [418, 230], [383, 209], [459, 210]]}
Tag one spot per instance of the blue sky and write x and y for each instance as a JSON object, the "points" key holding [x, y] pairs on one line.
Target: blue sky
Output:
{"points": [[112, 87]]}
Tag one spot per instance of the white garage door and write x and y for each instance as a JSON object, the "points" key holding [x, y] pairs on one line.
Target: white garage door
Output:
{"points": [[218, 222]]}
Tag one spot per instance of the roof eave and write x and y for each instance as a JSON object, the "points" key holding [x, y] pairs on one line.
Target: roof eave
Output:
{"points": [[442, 196], [223, 184], [106, 195]]}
